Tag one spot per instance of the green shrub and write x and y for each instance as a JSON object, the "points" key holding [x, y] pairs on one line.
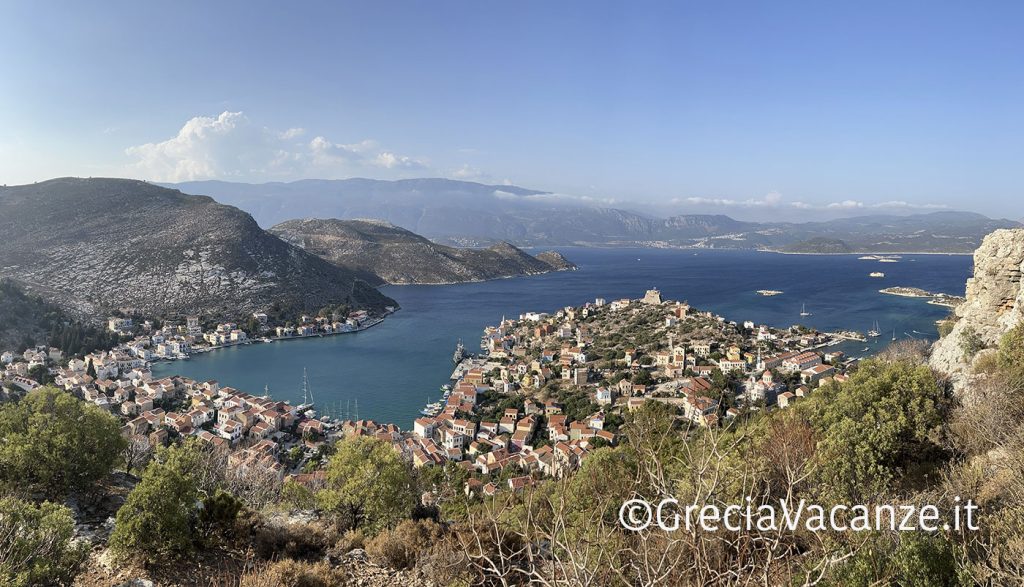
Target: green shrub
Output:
{"points": [[219, 513], [877, 427], [1011, 352], [35, 544], [910, 559], [945, 327], [368, 486], [52, 443], [970, 343], [157, 519]]}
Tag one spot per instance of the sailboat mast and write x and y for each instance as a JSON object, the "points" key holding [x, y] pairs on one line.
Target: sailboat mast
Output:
{"points": [[307, 393], [305, 388]]}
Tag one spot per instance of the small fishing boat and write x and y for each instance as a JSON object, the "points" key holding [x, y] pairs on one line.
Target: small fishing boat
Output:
{"points": [[432, 408]]}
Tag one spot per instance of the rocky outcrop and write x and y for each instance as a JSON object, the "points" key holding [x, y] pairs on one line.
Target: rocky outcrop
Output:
{"points": [[994, 304], [556, 260]]}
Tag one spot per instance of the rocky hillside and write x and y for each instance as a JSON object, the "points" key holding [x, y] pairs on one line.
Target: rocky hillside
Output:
{"points": [[398, 256], [819, 246], [93, 245], [994, 304], [24, 319]]}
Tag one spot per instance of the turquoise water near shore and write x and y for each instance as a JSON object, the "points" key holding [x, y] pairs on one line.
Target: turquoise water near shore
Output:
{"points": [[391, 369]]}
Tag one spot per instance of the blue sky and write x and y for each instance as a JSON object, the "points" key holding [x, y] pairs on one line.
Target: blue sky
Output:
{"points": [[745, 108]]}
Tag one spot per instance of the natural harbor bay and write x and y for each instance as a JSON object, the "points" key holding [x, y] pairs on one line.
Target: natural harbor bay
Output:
{"points": [[388, 372]]}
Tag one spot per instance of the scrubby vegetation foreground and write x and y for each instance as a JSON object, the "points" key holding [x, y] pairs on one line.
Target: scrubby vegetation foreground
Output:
{"points": [[70, 512]]}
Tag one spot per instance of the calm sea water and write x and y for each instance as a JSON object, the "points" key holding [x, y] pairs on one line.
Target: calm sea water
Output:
{"points": [[390, 370]]}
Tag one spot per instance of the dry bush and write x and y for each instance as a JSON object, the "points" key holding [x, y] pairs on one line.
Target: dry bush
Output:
{"points": [[986, 363], [789, 448], [989, 416], [350, 540], [993, 555], [289, 573], [401, 547], [911, 350], [566, 532], [988, 429], [298, 541], [447, 563]]}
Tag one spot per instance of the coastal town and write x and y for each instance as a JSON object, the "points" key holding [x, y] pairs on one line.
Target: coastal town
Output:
{"points": [[545, 391]]}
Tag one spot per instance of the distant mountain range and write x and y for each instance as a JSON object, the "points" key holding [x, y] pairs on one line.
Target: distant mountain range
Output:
{"points": [[468, 213], [398, 256], [96, 245]]}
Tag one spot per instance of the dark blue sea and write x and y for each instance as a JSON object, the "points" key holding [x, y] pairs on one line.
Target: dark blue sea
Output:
{"points": [[390, 370]]}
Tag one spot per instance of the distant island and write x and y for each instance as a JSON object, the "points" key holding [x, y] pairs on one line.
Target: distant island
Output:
{"points": [[398, 256], [939, 299]]}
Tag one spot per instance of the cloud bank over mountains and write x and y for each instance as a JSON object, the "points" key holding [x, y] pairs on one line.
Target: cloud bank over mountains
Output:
{"points": [[231, 146], [775, 200]]}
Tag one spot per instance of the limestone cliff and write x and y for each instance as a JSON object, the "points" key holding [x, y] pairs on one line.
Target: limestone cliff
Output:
{"points": [[994, 304]]}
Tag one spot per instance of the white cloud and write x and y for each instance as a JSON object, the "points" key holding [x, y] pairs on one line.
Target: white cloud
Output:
{"points": [[503, 195], [555, 197], [389, 160], [469, 173], [231, 146], [910, 205], [774, 199], [770, 200], [891, 204], [846, 205]]}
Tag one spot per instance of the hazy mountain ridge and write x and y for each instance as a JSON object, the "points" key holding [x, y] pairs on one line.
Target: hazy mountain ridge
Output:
{"points": [[819, 245], [467, 213], [92, 245], [398, 256]]}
